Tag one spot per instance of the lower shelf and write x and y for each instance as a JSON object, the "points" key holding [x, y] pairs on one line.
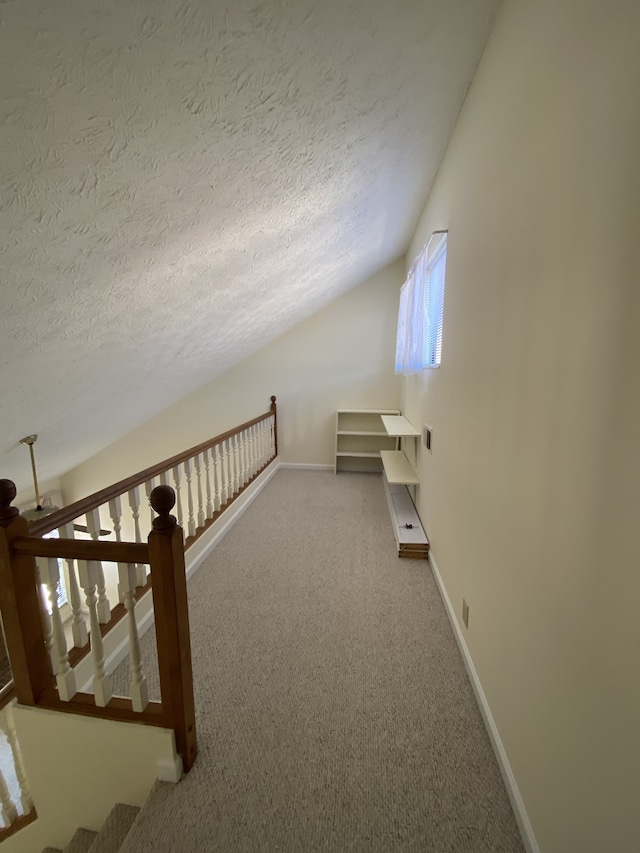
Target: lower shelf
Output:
{"points": [[359, 464], [398, 468], [411, 539]]}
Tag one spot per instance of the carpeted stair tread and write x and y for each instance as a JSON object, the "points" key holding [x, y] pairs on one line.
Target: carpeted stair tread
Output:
{"points": [[115, 829], [52, 850], [81, 841], [156, 805]]}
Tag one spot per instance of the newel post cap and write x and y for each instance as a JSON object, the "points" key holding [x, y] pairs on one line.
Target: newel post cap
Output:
{"points": [[163, 499], [8, 492]]}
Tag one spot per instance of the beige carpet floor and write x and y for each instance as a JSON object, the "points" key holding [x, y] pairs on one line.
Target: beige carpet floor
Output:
{"points": [[333, 708]]}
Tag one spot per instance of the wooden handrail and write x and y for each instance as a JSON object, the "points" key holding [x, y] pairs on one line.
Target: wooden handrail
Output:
{"points": [[81, 549], [84, 505]]}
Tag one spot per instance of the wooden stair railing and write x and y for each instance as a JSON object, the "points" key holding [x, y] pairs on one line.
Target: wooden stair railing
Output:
{"points": [[34, 682], [225, 466], [41, 663], [256, 447]]}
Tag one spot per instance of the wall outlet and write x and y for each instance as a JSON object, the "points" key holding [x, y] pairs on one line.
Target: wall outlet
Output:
{"points": [[427, 437], [465, 613]]}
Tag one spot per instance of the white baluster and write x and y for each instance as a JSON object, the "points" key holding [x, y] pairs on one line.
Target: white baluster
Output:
{"points": [[134, 504], [241, 462], [8, 727], [229, 473], [231, 456], [215, 456], [237, 475], [198, 463], [260, 443], [115, 513], [9, 811], [149, 486], [252, 451], [238, 472], [104, 608], [241, 465], [223, 474], [177, 480], [88, 573], [139, 689], [248, 454], [164, 478], [65, 676], [207, 479], [269, 440], [245, 456], [191, 524], [233, 469], [47, 625], [273, 436], [78, 623]]}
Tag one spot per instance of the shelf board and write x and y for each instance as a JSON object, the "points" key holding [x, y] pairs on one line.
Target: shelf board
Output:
{"points": [[397, 468], [377, 433], [373, 454], [399, 427]]}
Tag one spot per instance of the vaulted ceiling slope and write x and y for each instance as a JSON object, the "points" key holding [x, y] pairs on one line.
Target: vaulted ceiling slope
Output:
{"points": [[183, 181]]}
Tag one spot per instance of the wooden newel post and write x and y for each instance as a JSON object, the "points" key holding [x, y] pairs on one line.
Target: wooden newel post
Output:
{"points": [[275, 423], [169, 585], [20, 605]]}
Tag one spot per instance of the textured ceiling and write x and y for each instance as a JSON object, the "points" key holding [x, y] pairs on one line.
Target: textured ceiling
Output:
{"points": [[182, 182]]}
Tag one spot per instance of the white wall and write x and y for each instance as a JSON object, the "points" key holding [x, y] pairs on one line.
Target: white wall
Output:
{"points": [[531, 494], [341, 356], [92, 755]]}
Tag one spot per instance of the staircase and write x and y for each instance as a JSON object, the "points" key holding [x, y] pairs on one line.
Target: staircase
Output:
{"points": [[112, 838]]}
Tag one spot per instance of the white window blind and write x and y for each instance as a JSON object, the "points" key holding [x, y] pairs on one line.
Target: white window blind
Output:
{"points": [[434, 306], [420, 316]]}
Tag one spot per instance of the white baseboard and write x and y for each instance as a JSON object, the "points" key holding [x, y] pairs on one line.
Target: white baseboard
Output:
{"points": [[208, 541], [517, 803], [311, 466]]}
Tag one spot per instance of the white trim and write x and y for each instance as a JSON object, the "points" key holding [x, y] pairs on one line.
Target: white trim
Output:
{"points": [[169, 771], [315, 466], [208, 541], [517, 803]]}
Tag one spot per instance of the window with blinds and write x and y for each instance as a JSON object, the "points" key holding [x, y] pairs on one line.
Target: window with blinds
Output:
{"points": [[421, 312], [434, 305]]}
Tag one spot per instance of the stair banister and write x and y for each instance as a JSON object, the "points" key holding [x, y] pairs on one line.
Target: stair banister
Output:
{"points": [[237, 457], [33, 679], [169, 588], [74, 510], [19, 600]]}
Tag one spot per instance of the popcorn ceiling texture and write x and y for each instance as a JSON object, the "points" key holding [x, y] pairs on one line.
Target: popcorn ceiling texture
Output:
{"points": [[182, 182]]}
